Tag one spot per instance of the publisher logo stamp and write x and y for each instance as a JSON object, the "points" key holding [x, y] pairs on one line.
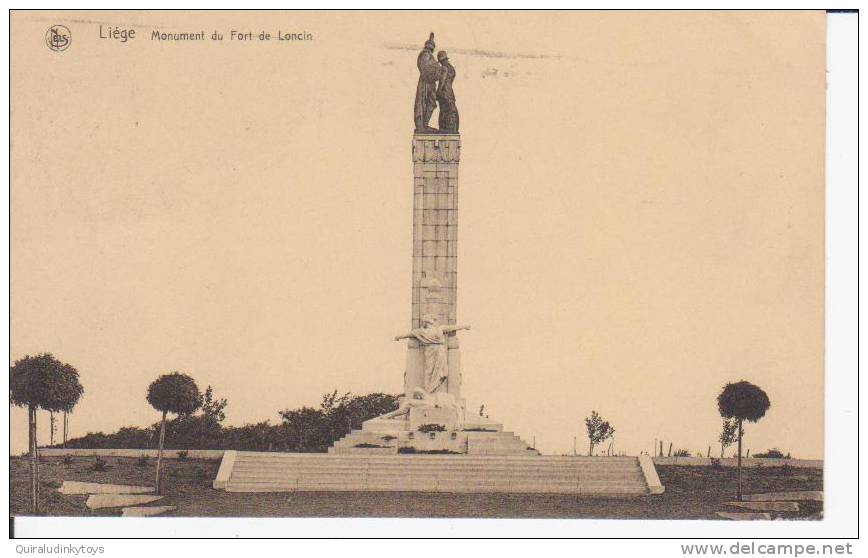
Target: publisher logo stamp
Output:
{"points": [[58, 38]]}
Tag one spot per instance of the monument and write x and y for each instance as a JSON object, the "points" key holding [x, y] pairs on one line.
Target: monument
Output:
{"points": [[474, 453], [432, 397]]}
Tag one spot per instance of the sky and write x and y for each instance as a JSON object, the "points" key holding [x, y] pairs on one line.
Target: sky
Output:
{"points": [[641, 215]]}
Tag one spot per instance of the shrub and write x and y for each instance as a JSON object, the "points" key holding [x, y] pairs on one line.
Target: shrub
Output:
{"points": [[129, 437], [99, 464], [366, 445], [431, 428], [183, 455], [67, 460], [142, 461], [773, 453], [193, 432], [52, 484], [681, 453], [716, 464], [304, 429]]}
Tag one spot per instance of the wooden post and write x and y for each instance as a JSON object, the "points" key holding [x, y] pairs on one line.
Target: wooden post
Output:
{"points": [[574, 445], [709, 452], [661, 448], [670, 450], [65, 426]]}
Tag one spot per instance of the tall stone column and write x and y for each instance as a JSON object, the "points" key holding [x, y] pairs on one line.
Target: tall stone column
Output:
{"points": [[435, 249]]}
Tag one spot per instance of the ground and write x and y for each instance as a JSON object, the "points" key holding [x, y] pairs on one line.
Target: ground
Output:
{"points": [[691, 493]]}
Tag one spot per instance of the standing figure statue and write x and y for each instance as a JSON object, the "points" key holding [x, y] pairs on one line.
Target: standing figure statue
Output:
{"points": [[432, 336], [426, 90], [446, 96]]}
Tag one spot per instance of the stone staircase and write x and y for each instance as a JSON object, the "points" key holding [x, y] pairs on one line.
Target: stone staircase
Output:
{"points": [[287, 472]]}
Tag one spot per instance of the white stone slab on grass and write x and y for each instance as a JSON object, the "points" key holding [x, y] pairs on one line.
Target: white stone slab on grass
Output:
{"points": [[95, 501], [767, 506], [814, 495], [76, 487], [145, 511], [745, 516]]}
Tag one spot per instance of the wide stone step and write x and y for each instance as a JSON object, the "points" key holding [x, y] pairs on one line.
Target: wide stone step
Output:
{"points": [[323, 456], [470, 473], [420, 472], [539, 479], [398, 462], [450, 485], [631, 489], [434, 481], [457, 473], [438, 471], [432, 457]]}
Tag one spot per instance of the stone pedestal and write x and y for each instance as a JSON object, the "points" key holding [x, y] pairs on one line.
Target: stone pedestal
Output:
{"points": [[435, 249], [448, 418], [434, 291]]}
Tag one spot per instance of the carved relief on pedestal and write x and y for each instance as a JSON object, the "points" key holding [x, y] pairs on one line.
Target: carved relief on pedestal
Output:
{"points": [[441, 148]]}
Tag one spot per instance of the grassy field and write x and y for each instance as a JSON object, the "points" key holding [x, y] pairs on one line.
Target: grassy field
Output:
{"points": [[691, 493]]}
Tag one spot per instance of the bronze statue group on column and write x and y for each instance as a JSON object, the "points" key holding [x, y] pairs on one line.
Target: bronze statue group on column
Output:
{"points": [[435, 88]]}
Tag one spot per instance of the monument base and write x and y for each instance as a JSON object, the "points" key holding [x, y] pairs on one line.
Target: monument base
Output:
{"points": [[402, 435]]}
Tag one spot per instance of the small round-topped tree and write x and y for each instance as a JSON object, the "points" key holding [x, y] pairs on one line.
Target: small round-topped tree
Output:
{"points": [[742, 401], [42, 382], [172, 393]]}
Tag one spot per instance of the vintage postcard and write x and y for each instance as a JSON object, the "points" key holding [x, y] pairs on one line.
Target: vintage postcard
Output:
{"points": [[418, 264]]}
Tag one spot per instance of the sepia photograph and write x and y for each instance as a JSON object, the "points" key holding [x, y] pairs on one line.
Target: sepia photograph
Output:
{"points": [[420, 264]]}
